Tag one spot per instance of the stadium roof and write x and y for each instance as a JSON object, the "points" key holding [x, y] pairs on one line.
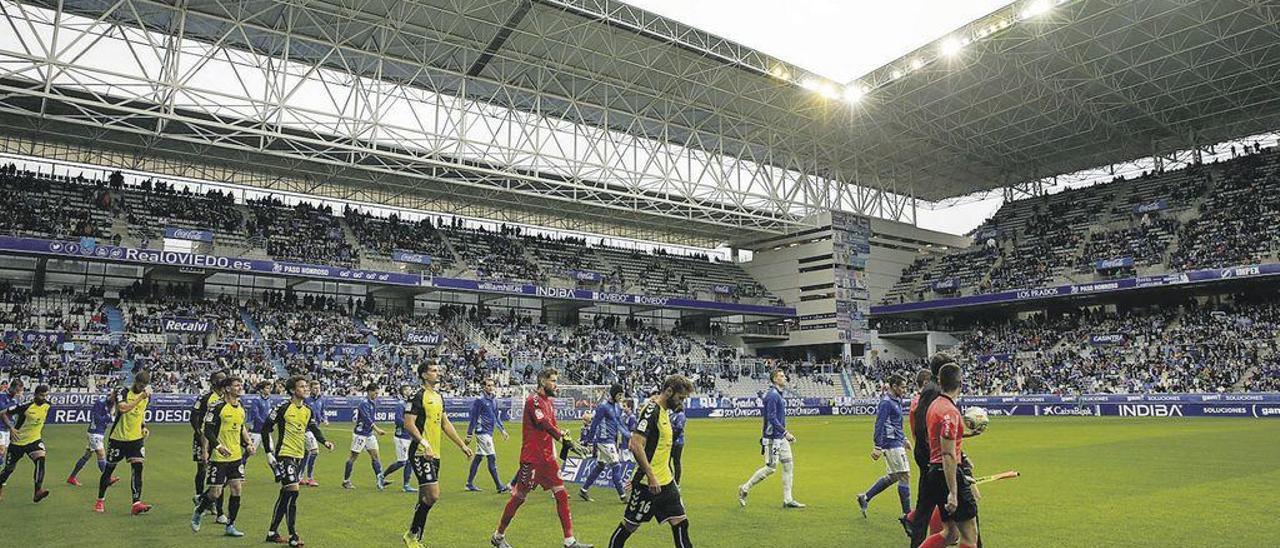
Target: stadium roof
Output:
{"points": [[592, 113]]}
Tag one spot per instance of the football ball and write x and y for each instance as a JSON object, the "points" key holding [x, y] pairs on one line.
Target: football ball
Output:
{"points": [[976, 419]]}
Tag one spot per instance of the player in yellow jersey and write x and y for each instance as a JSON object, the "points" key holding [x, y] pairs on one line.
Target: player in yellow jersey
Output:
{"points": [[289, 422], [128, 433], [654, 492], [425, 420], [28, 427], [227, 436]]}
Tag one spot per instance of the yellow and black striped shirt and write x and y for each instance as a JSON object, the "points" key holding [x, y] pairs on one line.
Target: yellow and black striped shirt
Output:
{"points": [[129, 424], [290, 423], [223, 426]]}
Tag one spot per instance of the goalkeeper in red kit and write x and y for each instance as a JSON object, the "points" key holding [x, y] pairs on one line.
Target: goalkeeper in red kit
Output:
{"points": [[538, 466]]}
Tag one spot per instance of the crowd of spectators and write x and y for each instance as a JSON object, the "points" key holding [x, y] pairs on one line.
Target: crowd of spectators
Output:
{"points": [[302, 232]]}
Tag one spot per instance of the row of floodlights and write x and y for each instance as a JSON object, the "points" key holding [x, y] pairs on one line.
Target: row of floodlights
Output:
{"points": [[948, 47]]}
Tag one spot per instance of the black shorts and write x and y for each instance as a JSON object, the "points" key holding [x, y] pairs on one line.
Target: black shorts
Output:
{"points": [[643, 505], [287, 470], [16, 452], [427, 470], [122, 450], [219, 473], [935, 494]]}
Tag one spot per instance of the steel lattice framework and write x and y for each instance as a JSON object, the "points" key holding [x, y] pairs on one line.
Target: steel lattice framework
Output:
{"points": [[593, 115]]}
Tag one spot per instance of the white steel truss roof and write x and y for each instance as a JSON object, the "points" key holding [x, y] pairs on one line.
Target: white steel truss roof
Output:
{"points": [[594, 115]]}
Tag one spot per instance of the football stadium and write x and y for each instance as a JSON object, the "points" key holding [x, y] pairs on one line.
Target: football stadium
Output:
{"points": [[639, 273]]}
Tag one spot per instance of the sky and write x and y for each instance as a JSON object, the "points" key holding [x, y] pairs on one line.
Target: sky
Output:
{"points": [[841, 40], [838, 39]]}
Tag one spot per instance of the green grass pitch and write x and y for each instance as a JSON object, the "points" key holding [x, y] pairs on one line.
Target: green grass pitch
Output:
{"points": [[1086, 482]]}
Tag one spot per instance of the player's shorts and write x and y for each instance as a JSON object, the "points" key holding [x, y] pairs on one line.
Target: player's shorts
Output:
{"points": [[935, 493], [360, 444], [607, 453], [122, 450], [895, 461], [310, 443], [533, 475], [4, 438], [97, 442], [643, 506], [16, 452], [484, 444], [255, 441], [287, 470], [402, 449], [219, 473], [426, 470], [776, 451]]}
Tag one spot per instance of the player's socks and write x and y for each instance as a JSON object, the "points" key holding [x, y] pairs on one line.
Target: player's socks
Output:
{"points": [[759, 476], [136, 483], [84, 459], [292, 513], [203, 503], [566, 518], [419, 519], [493, 470], [680, 534], [879, 486], [217, 504], [788, 477], [311, 465], [616, 479], [904, 495], [475, 467], [935, 541], [935, 522], [619, 537], [233, 509], [509, 511], [282, 506], [105, 482], [346, 476], [407, 471], [377, 469], [593, 476], [201, 470], [8, 471], [38, 475]]}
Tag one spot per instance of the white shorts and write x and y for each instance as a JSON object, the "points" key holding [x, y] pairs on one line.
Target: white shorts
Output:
{"points": [[310, 443], [95, 442], [776, 451], [484, 444], [255, 441], [607, 453], [4, 438], [895, 461], [402, 449], [360, 443]]}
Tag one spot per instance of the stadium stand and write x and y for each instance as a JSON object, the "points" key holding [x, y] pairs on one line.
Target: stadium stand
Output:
{"points": [[1205, 216]]}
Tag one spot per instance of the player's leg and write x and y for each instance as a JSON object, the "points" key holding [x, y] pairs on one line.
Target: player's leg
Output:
{"points": [[864, 498], [351, 464], [37, 476], [521, 485], [115, 454], [215, 479], [72, 478], [562, 510], [311, 467], [493, 472], [375, 462], [286, 473], [904, 491], [136, 466], [10, 464], [471, 474], [770, 466], [428, 472], [788, 475], [235, 487]]}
